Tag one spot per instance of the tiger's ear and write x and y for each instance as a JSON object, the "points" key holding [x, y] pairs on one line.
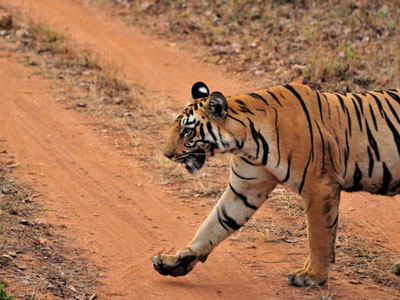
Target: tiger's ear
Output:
{"points": [[216, 107], [200, 90]]}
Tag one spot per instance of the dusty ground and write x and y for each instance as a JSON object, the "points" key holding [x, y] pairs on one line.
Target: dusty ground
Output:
{"points": [[37, 262], [101, 177]]}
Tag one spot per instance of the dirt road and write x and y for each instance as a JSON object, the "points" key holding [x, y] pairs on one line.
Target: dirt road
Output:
{"points": [[101, 195]]}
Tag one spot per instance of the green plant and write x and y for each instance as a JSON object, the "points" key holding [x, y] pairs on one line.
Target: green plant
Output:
{"points": [[3, 294], [349, 52]]}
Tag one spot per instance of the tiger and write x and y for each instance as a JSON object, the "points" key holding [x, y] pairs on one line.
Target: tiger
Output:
{"points": [[314, 143]]}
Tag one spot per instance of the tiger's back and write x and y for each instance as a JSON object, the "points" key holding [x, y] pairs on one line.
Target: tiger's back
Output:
{"points": [[355, 135]]}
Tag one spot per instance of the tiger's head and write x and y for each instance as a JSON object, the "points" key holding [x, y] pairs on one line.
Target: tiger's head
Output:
{"points": [[198, 132]]}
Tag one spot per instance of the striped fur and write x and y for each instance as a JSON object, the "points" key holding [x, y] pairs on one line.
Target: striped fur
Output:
{"points": [[317, 144]]}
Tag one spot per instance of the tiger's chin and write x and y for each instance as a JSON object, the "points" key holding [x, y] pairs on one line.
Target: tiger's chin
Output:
{"points": [[195, 162], [192, 170]]}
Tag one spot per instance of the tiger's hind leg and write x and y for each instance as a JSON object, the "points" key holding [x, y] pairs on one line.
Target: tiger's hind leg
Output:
{"points": [[322, 206]]}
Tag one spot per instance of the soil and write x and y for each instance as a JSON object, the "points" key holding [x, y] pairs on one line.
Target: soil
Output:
{"points": [[37, 261], [107, 201]]}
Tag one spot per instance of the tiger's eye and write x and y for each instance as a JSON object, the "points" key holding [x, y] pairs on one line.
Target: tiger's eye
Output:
{"points": [[186, 131]]}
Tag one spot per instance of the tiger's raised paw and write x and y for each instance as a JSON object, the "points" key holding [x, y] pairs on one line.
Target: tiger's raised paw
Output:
{"points": [[303, 278], [175, 265]]}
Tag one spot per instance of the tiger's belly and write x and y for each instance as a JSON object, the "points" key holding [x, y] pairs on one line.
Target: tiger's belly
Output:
{"points": [[376, 177]]}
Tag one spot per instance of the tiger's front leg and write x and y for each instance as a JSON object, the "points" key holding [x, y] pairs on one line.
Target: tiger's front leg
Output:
{"points": [[246, 192]]}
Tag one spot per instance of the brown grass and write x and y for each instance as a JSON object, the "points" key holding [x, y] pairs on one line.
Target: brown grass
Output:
{"points": [[33, 264], [335, 45]]}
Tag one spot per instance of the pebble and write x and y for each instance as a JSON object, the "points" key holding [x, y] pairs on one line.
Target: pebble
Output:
{"points": [[80, 104], [72, 288], [12, 254], [26, 222], [21, 266]]}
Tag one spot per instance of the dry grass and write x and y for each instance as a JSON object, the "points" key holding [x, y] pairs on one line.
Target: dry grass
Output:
{"points": [[33, 261], [364, 259], [335, 45]]}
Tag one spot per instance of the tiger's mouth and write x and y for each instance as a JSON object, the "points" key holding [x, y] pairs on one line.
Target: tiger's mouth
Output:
{"points": [[193, 161]]}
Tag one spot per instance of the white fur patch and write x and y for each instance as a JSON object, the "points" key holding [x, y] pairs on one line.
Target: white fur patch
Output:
{"points": [[203, 90]]}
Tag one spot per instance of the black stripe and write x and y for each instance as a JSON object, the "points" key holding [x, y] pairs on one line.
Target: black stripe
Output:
{"points": [[249, 162], [237, 120], [259, 97], [329, 106], [360, 102], [395, 133], [357, 176], [394, 96], [232, 110], [371, 162], [263, 110], [341, 102], [373, 116], [255, 136], [243, 107], [304, 174], [372, 141], [258, 136], [387, 177], [323, 145], [338, 113], [393, 110], [338, 143], [290, 88], [346, 154], [265, 149], [210, 130], [320, 107], [277, 137], [358, 114], [378, 102], [334, 222], [288, 168], [240, 176], [348, 119], [221, 222], [330, 157], [212, 147], [224, 144], [240, 144], [243, 198], [201, 130], [275, 98], [228, 221]]}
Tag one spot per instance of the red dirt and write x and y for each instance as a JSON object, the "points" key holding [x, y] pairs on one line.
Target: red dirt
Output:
{"points": [[110, 207]]}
